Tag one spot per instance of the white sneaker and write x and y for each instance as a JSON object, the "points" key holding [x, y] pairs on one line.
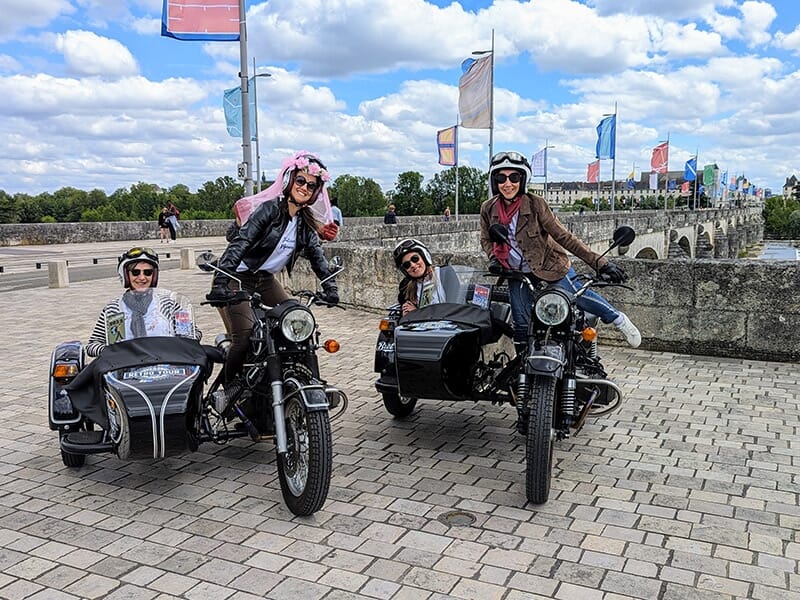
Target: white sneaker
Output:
{"points": [[630, 331]]}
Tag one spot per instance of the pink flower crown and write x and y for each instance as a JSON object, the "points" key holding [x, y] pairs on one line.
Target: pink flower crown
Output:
{"points": [[306, 161]]}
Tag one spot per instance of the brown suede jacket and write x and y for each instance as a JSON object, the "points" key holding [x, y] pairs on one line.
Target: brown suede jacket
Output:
{"points": [[542, 238]]}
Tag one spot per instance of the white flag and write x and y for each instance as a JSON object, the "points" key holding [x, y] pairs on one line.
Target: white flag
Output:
{"points": [[653, 180], [475, 93]]}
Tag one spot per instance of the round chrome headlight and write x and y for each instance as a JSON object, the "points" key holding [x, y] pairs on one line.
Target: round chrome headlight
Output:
{"points": [[297, 324], [552, 309]]}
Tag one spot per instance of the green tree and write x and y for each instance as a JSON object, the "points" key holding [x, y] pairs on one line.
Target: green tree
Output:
{"points": [[473, 189], [358, 196], [9, 213], [408, 197], [218, 196]]}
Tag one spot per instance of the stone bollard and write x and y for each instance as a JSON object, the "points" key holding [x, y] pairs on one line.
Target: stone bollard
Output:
{"points": [[187, 259], [58, 273]]}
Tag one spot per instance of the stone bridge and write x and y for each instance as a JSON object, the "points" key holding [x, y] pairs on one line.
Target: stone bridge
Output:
{"points": [[713, 233]]}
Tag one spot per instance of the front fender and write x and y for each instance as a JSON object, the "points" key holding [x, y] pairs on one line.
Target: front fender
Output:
{"points": [[547, 361]]}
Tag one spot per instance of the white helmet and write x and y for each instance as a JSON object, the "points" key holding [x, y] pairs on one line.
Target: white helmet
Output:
{"points": [[133, 256], [510, 160]]}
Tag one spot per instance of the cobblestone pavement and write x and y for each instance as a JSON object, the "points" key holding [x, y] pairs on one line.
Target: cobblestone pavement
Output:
{"points": [[690, 491]]}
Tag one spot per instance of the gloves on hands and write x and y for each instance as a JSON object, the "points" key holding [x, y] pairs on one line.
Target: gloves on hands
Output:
{"points": [[613, 273], [329, 231], [220, 295], [331, 296], [495, 266]]}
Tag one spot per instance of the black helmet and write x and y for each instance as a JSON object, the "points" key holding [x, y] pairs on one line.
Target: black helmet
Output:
{"points": [[133, 256], [411, 245], [510, 160]]}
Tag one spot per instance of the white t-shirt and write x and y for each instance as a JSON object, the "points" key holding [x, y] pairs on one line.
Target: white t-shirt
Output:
{"points": [[515, 260], [282, 253]]}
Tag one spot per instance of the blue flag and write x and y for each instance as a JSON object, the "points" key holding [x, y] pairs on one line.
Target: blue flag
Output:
{"points": [[232, 107], [672, 184], [690, 170], [606, 137]]}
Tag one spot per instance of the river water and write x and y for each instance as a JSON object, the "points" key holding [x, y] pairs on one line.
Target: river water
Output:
{"points": [[779, 251]]}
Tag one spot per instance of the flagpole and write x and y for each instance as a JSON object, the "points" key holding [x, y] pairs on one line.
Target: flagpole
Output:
{"points": [[247, 157], [456, 161], [491, 112], [666, 178], [614, 161], [696, 162], [545, 169]]}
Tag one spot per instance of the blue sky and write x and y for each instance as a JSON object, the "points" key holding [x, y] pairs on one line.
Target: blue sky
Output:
{"points": [[94, 97]]}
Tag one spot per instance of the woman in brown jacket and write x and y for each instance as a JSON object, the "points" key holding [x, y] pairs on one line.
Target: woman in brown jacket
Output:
{"points": [[540, 244]]}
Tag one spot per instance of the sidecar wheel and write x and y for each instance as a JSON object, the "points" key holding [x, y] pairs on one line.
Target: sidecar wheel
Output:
{"points": [[399, 406], [305, 470], [539, 440]]}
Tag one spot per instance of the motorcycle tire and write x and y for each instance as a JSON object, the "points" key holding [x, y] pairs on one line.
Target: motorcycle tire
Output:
{"points": [[305, 470], [539, 441], [399, 406]]}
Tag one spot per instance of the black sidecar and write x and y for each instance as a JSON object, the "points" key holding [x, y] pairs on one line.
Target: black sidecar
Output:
{"points": [[440, 351], [144, 396]]}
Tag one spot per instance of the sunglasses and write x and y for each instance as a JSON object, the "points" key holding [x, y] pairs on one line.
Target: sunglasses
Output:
{"points": [[413, 260], [513, 178], [301, 181], [137, 272]]}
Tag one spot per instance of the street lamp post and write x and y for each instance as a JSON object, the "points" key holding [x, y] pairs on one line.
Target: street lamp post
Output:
{"points": [[255, 121], [546, 146]]}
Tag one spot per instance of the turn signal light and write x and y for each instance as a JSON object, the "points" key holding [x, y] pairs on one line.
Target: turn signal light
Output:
{"points": [[331, 346], [589, 334], [62, 371], [386, 325]]}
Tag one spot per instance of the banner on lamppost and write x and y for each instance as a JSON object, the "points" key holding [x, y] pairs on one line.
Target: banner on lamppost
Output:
{"points": [[208, 20], [475, 93]]}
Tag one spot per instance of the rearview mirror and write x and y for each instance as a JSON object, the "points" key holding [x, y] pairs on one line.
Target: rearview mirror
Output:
{"points": [[624, 236], [335, 263], [203, 259]]}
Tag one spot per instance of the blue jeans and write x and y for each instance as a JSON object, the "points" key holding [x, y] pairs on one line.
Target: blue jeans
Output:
{"points": [[520, 297]]}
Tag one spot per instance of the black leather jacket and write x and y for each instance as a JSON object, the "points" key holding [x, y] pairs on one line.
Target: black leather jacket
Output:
{"points": [[258, 237]]}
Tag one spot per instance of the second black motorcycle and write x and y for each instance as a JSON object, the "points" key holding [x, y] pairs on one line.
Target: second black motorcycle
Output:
{"points": [[450, 351]]}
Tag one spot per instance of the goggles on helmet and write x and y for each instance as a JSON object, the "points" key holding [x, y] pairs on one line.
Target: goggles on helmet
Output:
{"points": [[139, 252], [512, 157]]}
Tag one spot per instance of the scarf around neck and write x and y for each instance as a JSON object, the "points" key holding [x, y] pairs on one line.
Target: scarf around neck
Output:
{"points": [[138, 303], [505, 213]]}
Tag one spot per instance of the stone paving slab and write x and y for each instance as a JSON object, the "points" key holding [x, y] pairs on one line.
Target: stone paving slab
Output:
{"points": [[690, 491]]}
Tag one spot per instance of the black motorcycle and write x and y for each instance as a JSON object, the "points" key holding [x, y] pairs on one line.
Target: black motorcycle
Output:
{"points": [[146, 397], [450, 351]]}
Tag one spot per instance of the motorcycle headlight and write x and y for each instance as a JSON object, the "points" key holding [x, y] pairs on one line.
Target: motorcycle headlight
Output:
{"points": [[297, 325], [552, 309]]}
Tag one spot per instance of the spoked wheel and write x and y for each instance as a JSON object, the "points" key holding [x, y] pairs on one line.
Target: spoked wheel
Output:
{"points": [[399, 406], [305, 470], [539, 440]]}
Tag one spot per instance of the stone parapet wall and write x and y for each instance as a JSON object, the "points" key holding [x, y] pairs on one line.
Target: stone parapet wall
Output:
{"points": [[713, 307], [35, 234]]}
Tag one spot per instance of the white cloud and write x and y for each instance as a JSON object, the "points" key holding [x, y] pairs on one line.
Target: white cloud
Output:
{"points": [[25, 14], [87, 53], [789, 41]]}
